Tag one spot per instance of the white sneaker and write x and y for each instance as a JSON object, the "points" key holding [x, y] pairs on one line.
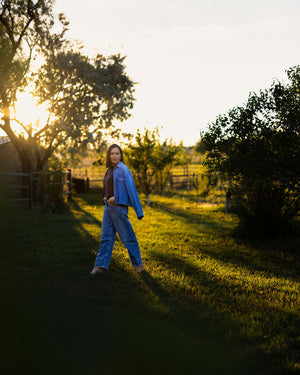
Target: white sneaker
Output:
{"points": [[140, 269], [97, 270]]}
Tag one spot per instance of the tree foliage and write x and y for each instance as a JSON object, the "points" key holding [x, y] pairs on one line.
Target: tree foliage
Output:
{"points": [[200, 147], [151, 160], [82, 95], [51, 188], [257, 148]]}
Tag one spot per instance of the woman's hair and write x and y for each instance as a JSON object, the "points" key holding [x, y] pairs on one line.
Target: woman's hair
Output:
{"points": [[108, 162]]}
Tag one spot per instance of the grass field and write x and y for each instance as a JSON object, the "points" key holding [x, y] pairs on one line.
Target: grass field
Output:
{"points": [[209, 303]]}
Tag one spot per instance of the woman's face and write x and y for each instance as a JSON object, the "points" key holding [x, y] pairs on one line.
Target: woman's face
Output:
{"points": [[115, 156]]}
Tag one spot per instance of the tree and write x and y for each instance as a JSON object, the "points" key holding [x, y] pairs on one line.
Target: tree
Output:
{"points": [[151, 160], [256, 147], [83, 95], [164, 157], [184, 159], [200, 147]]}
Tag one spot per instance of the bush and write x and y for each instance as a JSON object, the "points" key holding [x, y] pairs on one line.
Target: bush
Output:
{"points": [[256, 147], [51, 187]]}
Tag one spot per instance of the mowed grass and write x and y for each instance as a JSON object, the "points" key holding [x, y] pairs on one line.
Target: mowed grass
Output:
{"points": [[208, 304]]}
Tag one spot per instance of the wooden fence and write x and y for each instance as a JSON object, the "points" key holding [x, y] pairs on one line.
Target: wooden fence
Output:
{"points": [[94, 179], [25, 191], [188, 181], [90, 177]]}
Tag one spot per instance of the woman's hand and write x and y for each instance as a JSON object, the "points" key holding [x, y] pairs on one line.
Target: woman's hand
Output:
{"points": [[111, 201]]}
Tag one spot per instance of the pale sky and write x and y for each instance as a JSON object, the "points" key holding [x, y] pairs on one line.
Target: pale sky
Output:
{"points": [[193, 59]]}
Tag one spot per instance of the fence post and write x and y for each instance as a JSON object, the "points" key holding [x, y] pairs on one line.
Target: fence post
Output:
{"points": [[30, 190], [87, 184], [69, 179]]}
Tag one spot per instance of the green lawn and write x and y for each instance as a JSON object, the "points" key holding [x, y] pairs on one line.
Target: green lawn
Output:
{"points": [[209, 303]]}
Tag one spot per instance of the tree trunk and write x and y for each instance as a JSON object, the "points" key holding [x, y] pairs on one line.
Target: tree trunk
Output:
{"points": [[148, 200], [16, 142]]}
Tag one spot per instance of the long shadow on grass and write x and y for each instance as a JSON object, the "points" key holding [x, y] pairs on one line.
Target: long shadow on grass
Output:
{"points": [[119, 300], [274, 261], [278, 262], [227, 308], [191, 218], [88, 218], [70, 323], [87, 322], [194, 198], [93, 199]]}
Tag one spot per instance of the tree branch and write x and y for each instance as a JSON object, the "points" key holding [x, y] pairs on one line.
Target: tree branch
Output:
{"points": [[17, 44], [4, 8], [7, 29], [47, 126], [50, 149], [4, 99], [30, 46], [34, 6], [10, 28], [22, 125], [11, 19]]}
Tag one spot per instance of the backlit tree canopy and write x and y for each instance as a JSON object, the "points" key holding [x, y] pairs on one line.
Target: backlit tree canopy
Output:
{"points": [[82, 95]]}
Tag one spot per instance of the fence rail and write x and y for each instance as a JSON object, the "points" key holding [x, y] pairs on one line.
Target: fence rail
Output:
{"points": [[28, 188], [93, 179]]}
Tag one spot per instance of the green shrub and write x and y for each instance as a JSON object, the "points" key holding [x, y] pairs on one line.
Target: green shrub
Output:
{"points": [[51, 187], [256, 148]]}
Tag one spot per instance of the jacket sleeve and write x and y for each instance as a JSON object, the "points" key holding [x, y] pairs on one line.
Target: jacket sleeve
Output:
{"points": [[132, 193]]}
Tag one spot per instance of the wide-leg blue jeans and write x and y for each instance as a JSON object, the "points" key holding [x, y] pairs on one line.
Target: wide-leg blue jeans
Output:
{"points": [[115, 219]]}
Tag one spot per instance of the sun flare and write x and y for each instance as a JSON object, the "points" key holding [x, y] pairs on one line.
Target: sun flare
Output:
{"points": [[29, 114]]}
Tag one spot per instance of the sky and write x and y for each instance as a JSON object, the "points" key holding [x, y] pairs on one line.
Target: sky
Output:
{"points": [[193, 59]]}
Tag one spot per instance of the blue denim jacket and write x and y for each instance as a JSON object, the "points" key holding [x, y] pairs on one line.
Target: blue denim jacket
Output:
{"points": [[125, 190]]}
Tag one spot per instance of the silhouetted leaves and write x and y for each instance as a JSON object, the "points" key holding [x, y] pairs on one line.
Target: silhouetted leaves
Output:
{"points": [[83, 95], [257, 148]]}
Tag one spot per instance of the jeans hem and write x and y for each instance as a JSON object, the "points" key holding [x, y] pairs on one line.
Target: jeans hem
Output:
{"points": [[106, 268]]}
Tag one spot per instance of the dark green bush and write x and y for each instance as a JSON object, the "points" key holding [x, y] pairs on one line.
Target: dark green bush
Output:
{"points": [[256, 148], [51, 187]]}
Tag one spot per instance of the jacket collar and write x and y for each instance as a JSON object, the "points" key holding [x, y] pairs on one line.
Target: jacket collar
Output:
{"points": [[121, 163], [116, 166]]}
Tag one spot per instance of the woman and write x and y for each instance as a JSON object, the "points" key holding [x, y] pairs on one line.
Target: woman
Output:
{"points": [[119, 192]]}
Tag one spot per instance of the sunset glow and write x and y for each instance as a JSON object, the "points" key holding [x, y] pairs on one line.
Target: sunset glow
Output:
{"points": [[28, 113], [194, 60]]}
